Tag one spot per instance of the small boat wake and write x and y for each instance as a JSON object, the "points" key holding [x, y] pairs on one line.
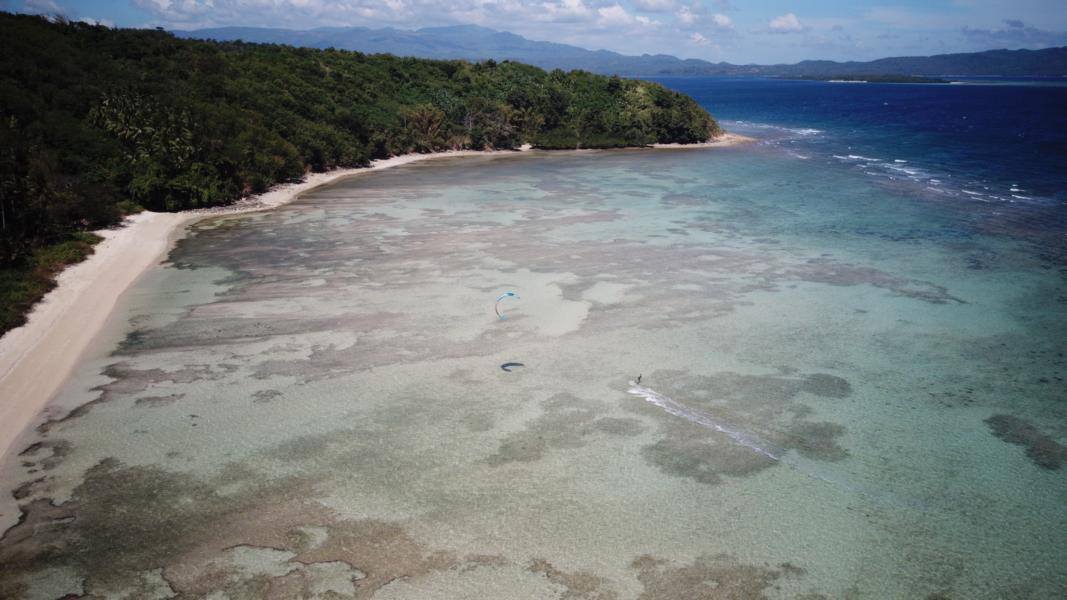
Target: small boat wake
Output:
{"points": [[761, 447]]}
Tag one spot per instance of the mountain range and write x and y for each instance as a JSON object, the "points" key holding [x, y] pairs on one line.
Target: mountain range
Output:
{"points": [[472, 42]]}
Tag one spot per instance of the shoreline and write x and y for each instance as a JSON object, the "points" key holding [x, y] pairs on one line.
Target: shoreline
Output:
{"points": [[722, 141], [37, 358]]}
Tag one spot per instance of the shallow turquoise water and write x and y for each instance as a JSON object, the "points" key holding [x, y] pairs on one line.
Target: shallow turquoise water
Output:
{"points": [[847, 389]]}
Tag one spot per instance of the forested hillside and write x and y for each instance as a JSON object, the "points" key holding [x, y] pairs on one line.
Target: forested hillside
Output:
{"points": [[98, 122]]}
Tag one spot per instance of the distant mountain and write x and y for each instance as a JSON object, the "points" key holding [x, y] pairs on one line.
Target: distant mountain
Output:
{"points": [[1050, 62], [479, 43], [462, 41]]}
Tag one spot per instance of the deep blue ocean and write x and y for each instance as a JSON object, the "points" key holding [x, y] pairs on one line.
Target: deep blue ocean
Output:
{"points": [[993, 147]]}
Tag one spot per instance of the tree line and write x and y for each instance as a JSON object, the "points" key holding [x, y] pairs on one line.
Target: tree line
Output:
{"points": [[96, 123]]}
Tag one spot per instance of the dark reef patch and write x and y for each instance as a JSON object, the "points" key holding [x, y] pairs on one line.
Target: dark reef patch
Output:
{"points": [[831, 272], [128, 380], [706, 578], [153, 401], [827, 386], [816, 440], [577, 585], [57, 451], [687, 450], [1044, 451], [764, 408], [200, 331], [177, 531], [265, 396], [567, 422]]}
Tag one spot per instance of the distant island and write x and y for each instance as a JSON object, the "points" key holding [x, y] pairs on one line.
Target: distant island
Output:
{"points": [[97, 123], [472, 42], [869, 78]]}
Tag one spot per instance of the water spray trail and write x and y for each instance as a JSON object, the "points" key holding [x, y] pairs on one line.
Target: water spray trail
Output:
{"points": [[653, 397], [756, 445]]}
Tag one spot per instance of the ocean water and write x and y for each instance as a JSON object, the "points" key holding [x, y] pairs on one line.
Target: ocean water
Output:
{"points": [[851, 386], [991, 141]]}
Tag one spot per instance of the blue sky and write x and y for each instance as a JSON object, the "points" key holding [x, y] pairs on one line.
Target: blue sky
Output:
{"points": [[739, 31]]}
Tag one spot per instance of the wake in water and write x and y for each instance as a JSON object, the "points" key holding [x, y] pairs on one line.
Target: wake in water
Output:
{"points": [[755, 444], [671, 407]]}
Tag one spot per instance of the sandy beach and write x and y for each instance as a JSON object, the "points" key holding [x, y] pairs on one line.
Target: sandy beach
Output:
{"points": [[726, 139], [37, 358]]}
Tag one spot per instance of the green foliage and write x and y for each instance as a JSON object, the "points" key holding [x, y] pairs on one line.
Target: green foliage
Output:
{"points": [[97, 122], [24, 283]]}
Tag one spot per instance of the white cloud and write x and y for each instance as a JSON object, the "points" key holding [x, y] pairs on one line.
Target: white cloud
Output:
{"points": [[654, 5], [699, 40], [787, 23], [686, 16], [562, 11], [92, 21], [617, 16], [614, 15], [302, 14], [697, 15], [42, 7]]}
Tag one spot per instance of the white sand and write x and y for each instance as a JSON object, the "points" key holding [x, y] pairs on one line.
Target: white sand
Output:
{"points": [[726, 139], [37, 358]]}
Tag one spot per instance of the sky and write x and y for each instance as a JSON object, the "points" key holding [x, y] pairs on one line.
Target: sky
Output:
{"points": [[738, 31]]}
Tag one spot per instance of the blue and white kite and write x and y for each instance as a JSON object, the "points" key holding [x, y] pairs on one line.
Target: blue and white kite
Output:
{"points": [[496, 307]]}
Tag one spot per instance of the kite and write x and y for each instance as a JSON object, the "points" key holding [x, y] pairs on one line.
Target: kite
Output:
{"points": [[496, 307]]}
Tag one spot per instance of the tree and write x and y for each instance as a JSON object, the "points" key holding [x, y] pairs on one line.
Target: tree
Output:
{"points": [[424, 123]]}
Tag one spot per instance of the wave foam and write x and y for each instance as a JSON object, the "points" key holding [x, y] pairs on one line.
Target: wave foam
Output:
{"points": [[801, 131]]}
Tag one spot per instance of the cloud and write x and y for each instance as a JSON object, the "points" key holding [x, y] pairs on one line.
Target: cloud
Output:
{"points": [[299, 14], [687, 16], [567, 11], [699, 40], [697, 15], [617, 16], [787, 23], [654, 5], [302, 14], [614, 15], [904, 18], [92, 21], [42, 7], [1016, 35]]}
